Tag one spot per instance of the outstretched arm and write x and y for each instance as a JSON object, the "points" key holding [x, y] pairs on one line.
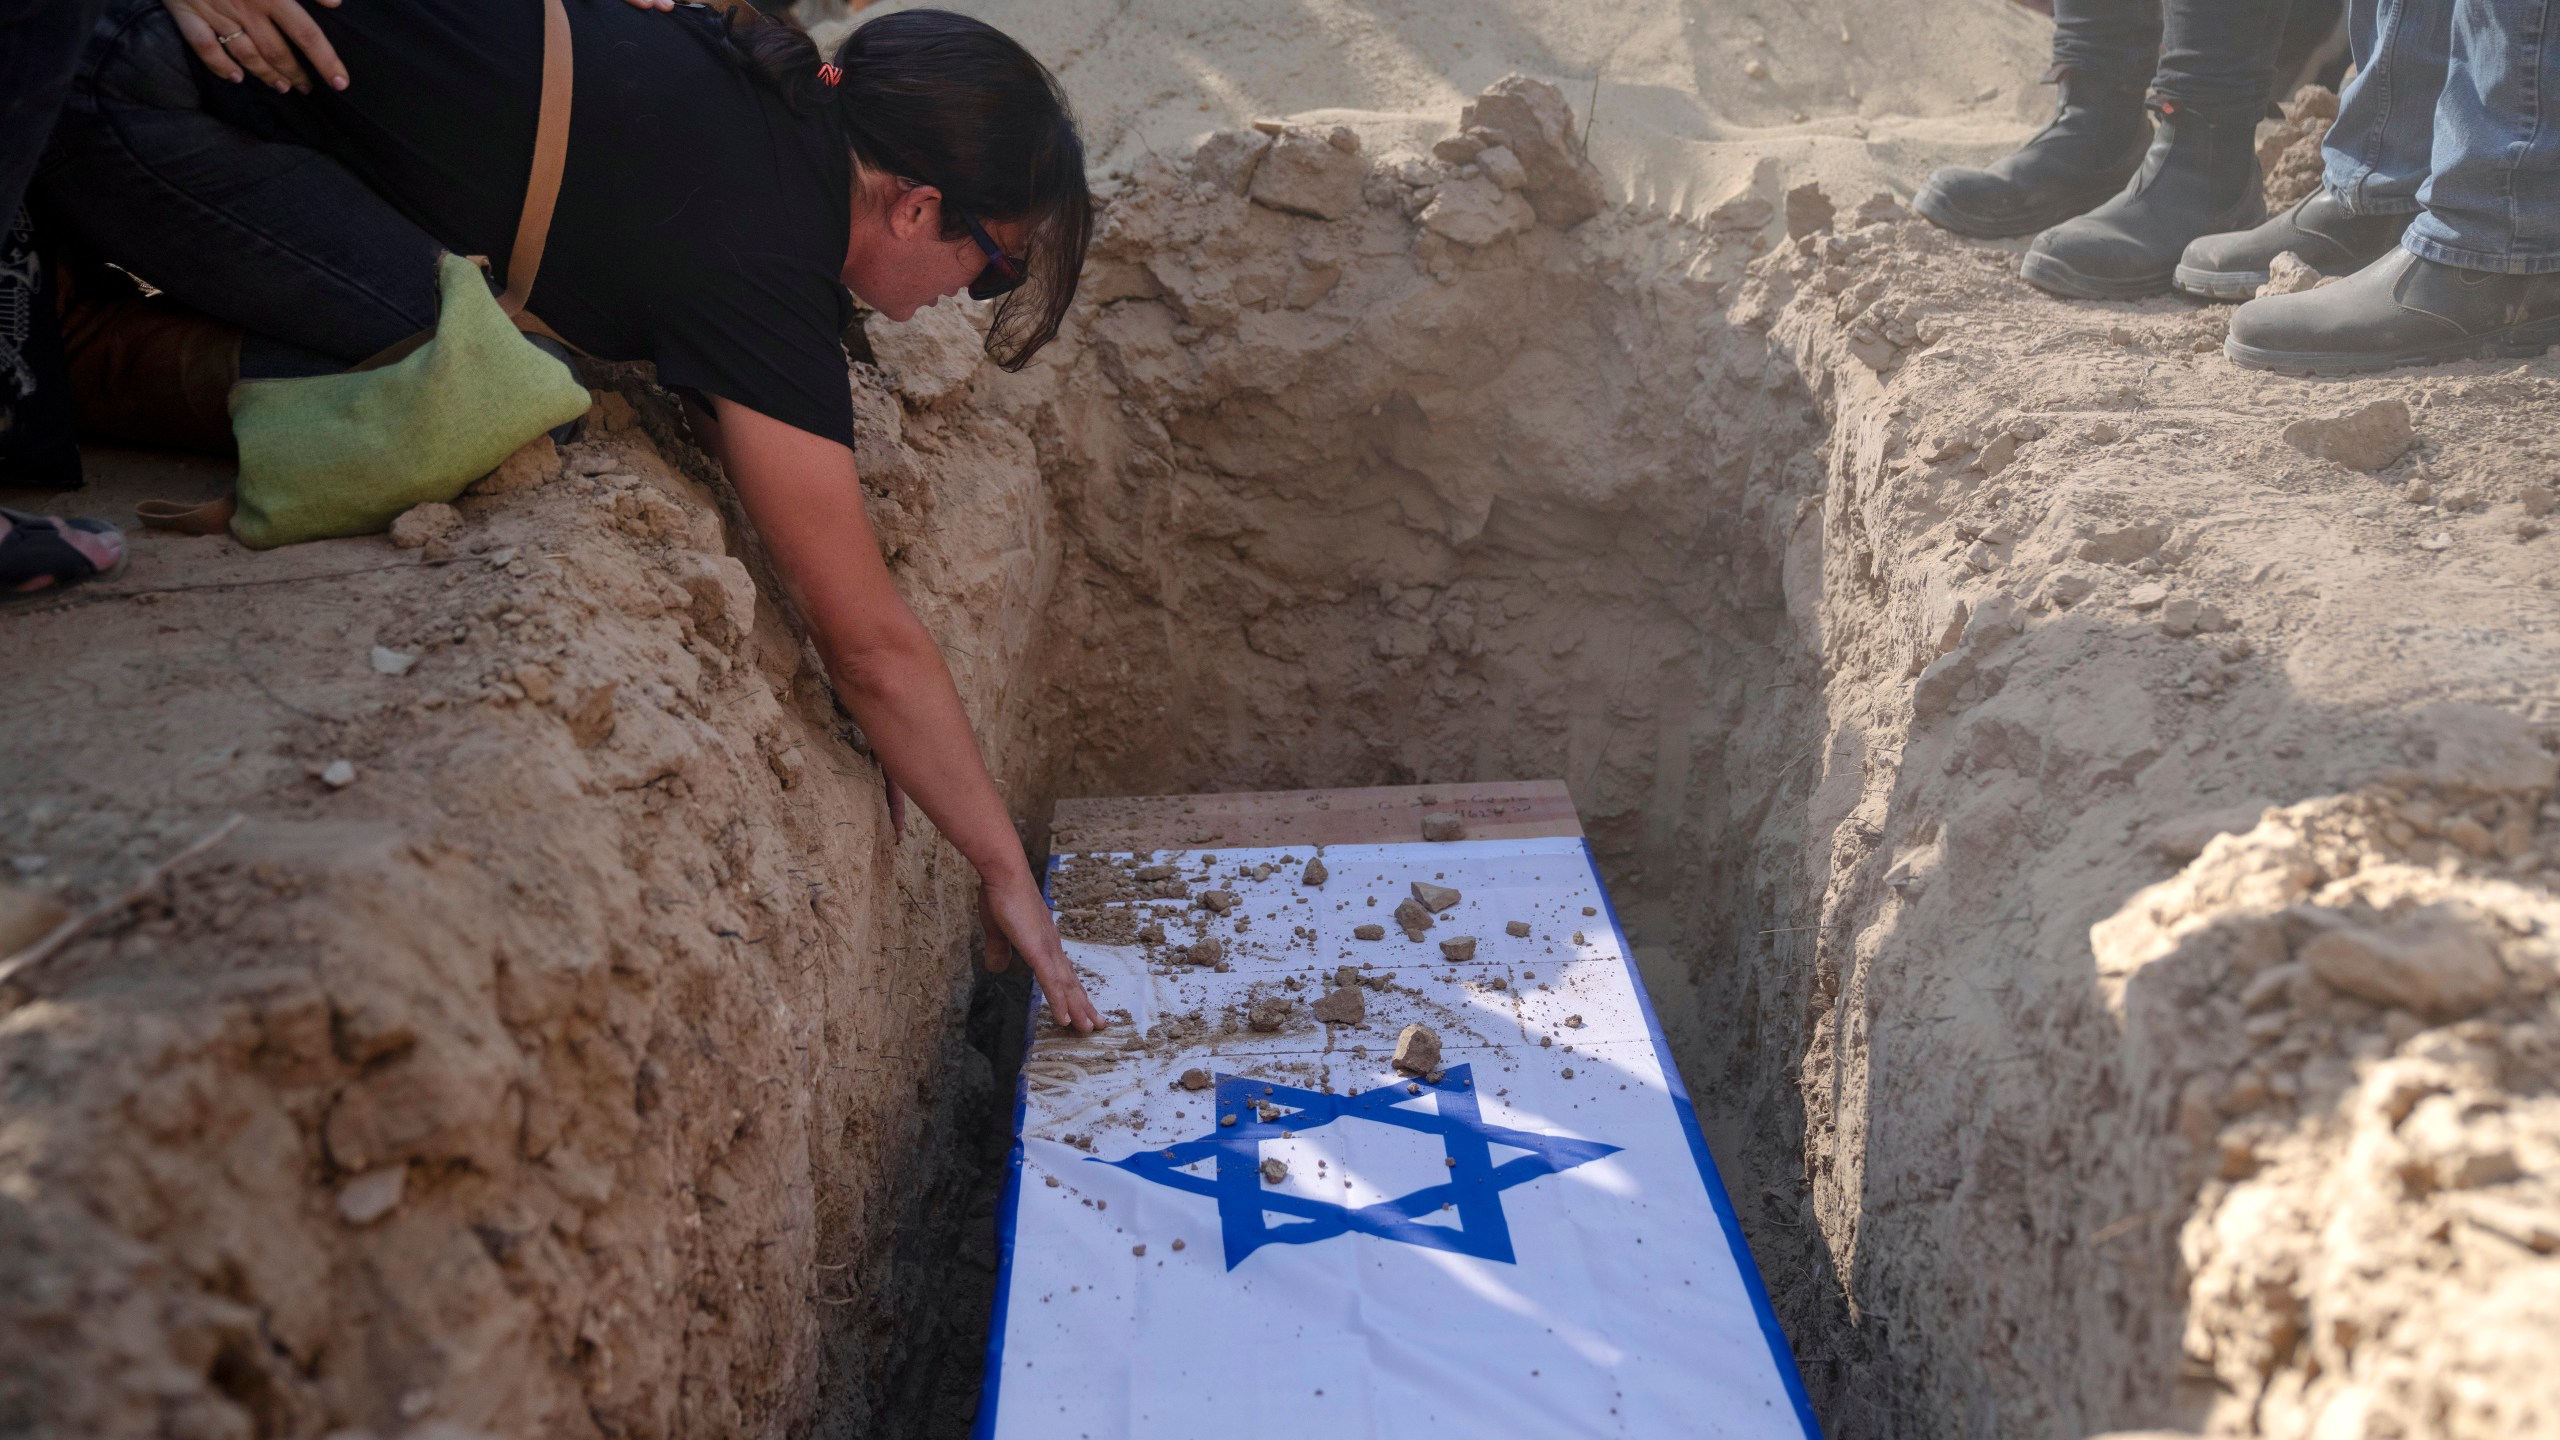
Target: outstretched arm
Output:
{"points": [[800, 492]]}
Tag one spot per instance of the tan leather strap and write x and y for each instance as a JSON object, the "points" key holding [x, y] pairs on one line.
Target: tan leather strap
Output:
{"points": [[541, 193], [550, 156], [208, 517]]}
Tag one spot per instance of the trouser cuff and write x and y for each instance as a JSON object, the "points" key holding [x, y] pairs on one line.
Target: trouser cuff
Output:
{"points": [[2495, 262]]}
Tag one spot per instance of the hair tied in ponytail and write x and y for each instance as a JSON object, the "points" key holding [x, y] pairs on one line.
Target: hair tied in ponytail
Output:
{"points": [[830, 74]]}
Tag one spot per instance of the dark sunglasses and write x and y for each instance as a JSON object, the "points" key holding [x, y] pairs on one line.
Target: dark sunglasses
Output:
{"points": [[1003, 273]]}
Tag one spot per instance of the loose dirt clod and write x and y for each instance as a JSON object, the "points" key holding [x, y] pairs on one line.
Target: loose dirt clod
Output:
{"points": [[2365, 437], [1368, 932], [1205, 951], [1315, 873], [1516, 929], [1217, 902], [1442, 825], [1197, 1079], [1272, 1014], [1411, 916], [1417, 1050], [2432, 960], [1434, 898], [2289, 274], [1274, 1171], [1344, 1006], [1459, 947], [420, 524]]}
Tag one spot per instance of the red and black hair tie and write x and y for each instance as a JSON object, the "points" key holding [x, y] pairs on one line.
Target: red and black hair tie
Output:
{"points": [[830, 74]]}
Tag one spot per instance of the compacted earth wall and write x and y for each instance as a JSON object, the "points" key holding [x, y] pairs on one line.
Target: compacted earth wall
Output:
{"points": [[2085, 812]]}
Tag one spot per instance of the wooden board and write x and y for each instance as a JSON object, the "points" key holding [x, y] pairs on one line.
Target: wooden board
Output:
{"points": [[1379, 815]]}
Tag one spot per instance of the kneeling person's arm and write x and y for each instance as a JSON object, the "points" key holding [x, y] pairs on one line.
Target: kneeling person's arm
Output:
{"points": [[801, 492]]}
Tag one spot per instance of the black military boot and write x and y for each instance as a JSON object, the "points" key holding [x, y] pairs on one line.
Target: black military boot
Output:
{"points": [[2200, 178], [2317, 229], [2402, 309], [2084, 155]]}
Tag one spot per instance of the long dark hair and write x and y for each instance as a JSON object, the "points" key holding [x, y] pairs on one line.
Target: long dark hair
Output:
{"points": [[957, 104]]}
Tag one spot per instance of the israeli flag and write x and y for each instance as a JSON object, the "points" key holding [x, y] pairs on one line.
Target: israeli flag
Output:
{"points": [[1234, 1214]]}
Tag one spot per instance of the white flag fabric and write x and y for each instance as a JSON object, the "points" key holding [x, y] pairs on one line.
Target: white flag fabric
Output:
{"points": [[1230, 1218]]}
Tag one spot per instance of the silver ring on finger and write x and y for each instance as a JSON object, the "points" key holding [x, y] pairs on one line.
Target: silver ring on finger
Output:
{"points": [[227, 39]]}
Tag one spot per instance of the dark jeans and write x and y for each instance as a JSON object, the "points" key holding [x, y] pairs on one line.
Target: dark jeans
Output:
{"points": [[40, 43], [156, 168], [2215, 58]]}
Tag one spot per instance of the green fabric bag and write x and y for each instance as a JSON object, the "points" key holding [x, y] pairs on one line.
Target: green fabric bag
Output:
{"points": [[345, 454]]}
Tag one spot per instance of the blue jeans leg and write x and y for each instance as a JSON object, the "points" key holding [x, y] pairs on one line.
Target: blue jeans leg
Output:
{"points": [[2492, 194], [2377, 152], [250, 228]]}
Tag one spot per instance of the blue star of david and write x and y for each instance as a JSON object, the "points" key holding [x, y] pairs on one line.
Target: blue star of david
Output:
{"points": [[1474, 1188]]}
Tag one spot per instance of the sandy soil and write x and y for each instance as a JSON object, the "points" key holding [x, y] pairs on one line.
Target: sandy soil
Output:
{"points": [[2094, 853], [590, 1063]]}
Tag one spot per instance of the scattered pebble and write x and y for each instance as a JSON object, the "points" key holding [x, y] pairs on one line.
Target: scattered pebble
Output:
{"points": [[1274, 1171], [1138, 1250], [1442, 825], [372, 1195], [387, 661], [1315, 873], [1516, 929], [1368, 932], [338, 774], [1457, 948], [1197, 1079]]}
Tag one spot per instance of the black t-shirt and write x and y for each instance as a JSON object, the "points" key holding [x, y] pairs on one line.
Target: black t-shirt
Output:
{"points": [[701, 224]]}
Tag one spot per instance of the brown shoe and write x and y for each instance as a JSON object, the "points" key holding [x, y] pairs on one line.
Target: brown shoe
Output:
{"points": [[149, 372]]}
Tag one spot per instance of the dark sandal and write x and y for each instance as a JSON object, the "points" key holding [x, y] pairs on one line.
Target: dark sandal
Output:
{"points": [[38, 560]]}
